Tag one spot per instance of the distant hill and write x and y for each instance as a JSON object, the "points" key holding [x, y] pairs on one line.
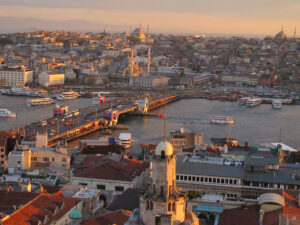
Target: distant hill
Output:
{"points": [[14, 24]]}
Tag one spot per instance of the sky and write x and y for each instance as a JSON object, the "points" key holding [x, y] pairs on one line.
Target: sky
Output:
{"points": [[196, 16]]}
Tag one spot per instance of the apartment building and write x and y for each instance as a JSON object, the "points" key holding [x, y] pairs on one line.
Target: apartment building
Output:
{"points": [[17, 76]]}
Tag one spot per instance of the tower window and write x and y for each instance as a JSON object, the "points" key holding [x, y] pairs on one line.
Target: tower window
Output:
{"points": [[162, 190], [163, 155], [173, 207], [169, 207]]}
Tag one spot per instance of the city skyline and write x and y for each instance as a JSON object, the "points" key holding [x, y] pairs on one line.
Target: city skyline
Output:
{"points": [[230, 17]]}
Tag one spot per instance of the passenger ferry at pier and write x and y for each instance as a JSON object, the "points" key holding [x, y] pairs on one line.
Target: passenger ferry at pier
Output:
{"points": [[68, 95], [277, 103], [125, 140], [254, 102], [24, 92], [243, 101], [39, 101], [4, 113], [222, 120]]}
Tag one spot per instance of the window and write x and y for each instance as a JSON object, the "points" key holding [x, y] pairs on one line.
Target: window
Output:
{"points": [[177, 177], [53, 159], [46, 159], [235, 181], [201, 179], [2, 156], [209, 180], [119, 188], [19, 162], [189, 177], [101, 187], [193, 178], [64, 159], [33, 158], [169, 207], [198, 179], [83, 184], [181, 177], [218, 180], [214, 180]]}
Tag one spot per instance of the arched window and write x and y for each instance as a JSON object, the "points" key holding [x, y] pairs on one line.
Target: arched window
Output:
{"points": [[173, 207], [169, 207], [170, 190], [163, 155]]}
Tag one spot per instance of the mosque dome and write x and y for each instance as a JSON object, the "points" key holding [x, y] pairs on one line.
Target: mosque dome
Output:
{"points": [[164, 146]]}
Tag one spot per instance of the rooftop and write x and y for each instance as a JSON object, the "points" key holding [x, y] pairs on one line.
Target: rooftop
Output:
{"points": [[85, 193]]}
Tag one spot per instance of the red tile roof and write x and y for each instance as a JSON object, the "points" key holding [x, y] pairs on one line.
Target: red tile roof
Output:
{"points": [[6, 133], [40, 209], [248, 216], [11, 199], [100, 167], [118, 217]]}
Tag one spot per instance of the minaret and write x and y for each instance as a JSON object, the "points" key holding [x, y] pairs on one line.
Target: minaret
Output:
{"points": [[132, 61], [149, 52]]}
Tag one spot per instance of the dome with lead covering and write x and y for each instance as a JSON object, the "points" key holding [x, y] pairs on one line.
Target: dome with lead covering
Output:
{"points": [[166, 147]]}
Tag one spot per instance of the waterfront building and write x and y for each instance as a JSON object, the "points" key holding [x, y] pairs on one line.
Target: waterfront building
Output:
{"points": [[49, 79], [17, 76], [112, 175], [150, 81], [162, 202], [180, 139]]}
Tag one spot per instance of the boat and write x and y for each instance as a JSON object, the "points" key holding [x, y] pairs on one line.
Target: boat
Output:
{"points": [[125, 140], [221, 120], [24, 92], [243, 101], [254, 102], [286, 101], [98, 99], [68, 95], [276, 103], [60, 110], [40, 101], [4, 113]]}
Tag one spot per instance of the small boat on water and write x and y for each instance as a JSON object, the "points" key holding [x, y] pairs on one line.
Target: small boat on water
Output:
{"points": [[125, 140], [254, 102], [39, 101], [243, 101], [222, 120], [5, 113], [277, 103], [68, 95]]}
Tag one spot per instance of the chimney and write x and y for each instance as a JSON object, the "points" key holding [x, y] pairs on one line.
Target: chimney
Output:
{"points": [[246, 145]]}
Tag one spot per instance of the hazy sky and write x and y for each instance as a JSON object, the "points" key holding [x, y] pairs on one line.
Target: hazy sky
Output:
{"points": [[203, 16]]}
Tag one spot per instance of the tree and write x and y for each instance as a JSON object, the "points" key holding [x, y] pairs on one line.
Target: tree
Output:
{"points": [[5, 41]]}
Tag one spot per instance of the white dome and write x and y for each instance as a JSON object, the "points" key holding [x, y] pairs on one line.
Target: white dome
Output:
{"points": [[164, 146]]}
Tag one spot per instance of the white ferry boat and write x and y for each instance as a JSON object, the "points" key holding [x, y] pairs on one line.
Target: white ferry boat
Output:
{"points": [[68, 95], [6, 113], [125, 140], [254, 102], [276, 103], [24, 92], [243, 101], [221, 120], [40, 101]]}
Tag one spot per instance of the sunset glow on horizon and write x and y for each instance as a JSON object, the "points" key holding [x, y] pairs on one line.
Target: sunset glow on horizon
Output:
{"points": [[227, 17]]}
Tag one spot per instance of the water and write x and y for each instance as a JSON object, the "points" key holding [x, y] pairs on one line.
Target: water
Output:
{"points": [[256, 125]]}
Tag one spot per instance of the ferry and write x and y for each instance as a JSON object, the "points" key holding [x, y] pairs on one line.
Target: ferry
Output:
{"points": [[243, 101], [125, 140], [24, 92], [254, 102], [40, 101], [222, 120], [68, 95], [276, 103], [98, 99], [6, 113]]}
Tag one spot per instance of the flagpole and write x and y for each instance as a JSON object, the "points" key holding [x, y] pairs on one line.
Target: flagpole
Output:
{"points": [[165, 124]]}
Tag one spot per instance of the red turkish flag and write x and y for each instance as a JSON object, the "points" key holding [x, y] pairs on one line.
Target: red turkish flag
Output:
{"points": [[161, 116]]}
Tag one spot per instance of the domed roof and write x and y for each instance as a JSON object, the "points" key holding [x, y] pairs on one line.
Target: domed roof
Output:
{"points": [[164, 146], [271, 198], [76, 214]]}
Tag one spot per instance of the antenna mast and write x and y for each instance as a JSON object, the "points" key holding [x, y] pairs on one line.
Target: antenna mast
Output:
{"points": [[165, 123]]}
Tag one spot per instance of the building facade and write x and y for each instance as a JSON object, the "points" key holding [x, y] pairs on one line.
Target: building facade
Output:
{"points": [[47, 79], [15, 76]]}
